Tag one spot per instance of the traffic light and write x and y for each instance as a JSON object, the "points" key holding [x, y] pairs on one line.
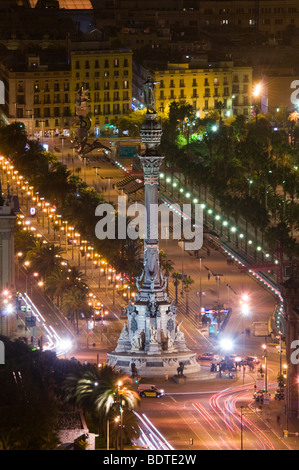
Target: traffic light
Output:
{"points": [[285, 433]]}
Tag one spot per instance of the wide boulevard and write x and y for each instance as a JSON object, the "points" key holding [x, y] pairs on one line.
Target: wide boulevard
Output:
{"points": [[207, 412]]}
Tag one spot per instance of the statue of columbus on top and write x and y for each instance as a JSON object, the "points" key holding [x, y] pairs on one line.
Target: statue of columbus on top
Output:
{"points": [[148, 92]]}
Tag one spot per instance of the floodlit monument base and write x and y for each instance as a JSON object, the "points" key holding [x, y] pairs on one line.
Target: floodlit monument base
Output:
{"points": [[159, 365]]}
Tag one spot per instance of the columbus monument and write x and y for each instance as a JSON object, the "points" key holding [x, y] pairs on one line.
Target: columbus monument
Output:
{"points": [[151, 342]]}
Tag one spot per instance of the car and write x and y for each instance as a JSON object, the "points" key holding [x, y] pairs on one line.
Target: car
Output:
{"points": [[279, 395], [150, 390], [252, 360], [249, 361], [206, 357]]}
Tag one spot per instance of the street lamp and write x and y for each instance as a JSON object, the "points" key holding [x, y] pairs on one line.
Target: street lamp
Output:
{"points": [[256, 94], [244, 312], [264, 347]]}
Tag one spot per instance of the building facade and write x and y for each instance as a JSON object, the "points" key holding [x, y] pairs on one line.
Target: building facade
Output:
{"points": [[44, 99], [108, 77], [205, 88]]}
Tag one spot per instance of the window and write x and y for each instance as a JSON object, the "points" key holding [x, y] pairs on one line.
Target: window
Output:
{"points": [[56, 87], [87, 64], [116, 63], [36, 88], [106, 109], [126, 84]]}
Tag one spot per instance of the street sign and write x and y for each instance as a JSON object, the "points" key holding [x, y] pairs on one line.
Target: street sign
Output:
{"points": [[266, 398], [260, 384], [127, 152], [260, 328]]}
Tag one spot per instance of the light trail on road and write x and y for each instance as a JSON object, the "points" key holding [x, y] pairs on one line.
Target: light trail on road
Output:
{"points": [[55, 342], [231, 415], [150, 436]]}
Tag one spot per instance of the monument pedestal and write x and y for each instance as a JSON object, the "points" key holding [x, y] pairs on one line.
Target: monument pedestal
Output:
{"points": [[158, 365]]}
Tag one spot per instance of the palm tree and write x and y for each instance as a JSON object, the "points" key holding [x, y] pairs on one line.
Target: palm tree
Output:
{"points": [[75, 302], [62, 279], [105, 391], [166, 265], [187, 282], [176, 276], [44, 258]]}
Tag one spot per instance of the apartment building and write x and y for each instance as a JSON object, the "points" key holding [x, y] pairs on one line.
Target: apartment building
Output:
{"points": [[36, 95], [45, 99], [108, 77], [205, 88]]}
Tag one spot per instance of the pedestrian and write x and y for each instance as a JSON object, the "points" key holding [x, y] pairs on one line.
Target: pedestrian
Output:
{"points": [[278, 419]]}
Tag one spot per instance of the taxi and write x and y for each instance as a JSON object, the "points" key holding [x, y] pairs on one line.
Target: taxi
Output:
{"points": [[149, 390]]}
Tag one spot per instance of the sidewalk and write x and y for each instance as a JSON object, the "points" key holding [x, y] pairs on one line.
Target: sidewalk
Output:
{"points": [[274, 418]]}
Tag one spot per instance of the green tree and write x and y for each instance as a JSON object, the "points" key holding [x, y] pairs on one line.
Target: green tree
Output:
{"points": [[74, 302], [176, 276], [187, 283], [44, 258]]}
